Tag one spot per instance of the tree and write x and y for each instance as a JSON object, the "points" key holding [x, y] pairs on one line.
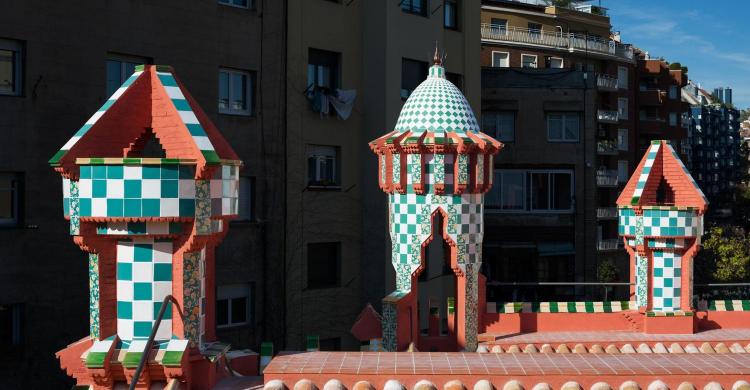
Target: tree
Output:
{"points": [[559, 3], [744, 114], [606, 272], [725, 256]]}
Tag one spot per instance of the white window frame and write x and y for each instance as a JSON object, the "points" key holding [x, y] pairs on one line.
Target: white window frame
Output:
{"points": [[622, 139], [235, 291], [622, 82], [512, 137], [320, 161], [527, 197], [563, 115], [562, 62], [536, 63], [230, 3], [249, 87], [623, 171], [622, 113], [507, 59], [18, 58]]}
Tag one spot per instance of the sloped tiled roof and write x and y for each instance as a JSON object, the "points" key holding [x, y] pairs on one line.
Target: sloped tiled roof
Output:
{"points": [[152, 99], [662, 162]]}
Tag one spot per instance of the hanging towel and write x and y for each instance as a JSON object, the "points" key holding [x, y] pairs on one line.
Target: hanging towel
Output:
{"points": [[343, 102]]}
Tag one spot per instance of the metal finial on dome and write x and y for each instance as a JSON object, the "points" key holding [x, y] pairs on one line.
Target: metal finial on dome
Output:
{"points": [[437, 59]]}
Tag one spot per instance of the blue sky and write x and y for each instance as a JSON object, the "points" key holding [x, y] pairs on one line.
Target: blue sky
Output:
{"points": [[707, 36]]}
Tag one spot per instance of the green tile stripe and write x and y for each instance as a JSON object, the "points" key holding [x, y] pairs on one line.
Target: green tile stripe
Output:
{"points": [[132, 359], [172, 358], [678, 313], [188, 117], [560, 307], [94, 118], [134, 161], [729, 305]]}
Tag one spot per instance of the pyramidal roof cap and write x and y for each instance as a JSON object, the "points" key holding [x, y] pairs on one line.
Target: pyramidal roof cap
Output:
{"points": [[153, 100], [661, 162]]}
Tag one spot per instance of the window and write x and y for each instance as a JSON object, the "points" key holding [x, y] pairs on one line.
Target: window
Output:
{"points": [[528, 61], [622, 171], [622, 108], [673, 119], [11, 326], [233, 304], [499, 26], [456, 78], [237, 3], [499, 124], [323, 265], [622, 77], [11, 56], [535, 30], [556, 62], [673, 92], [500, 59], [247, 198], [323, 68], [563, 126], [622, 139], [418, 7], [10, 198], [413, 72], [532, 191], [119, 68], [323, 166], [235, 92], [450, 14]]}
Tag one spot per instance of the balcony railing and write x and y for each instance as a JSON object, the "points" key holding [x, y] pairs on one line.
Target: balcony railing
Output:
{"points": [[606, 212], [608, 116], [607, 147], [606, 82], [606, 178], [609, 244], [570, 41]]}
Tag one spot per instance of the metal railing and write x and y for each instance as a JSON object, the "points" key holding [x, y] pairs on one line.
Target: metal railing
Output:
{"points": [[149, 343], [610, 244], [558, 291], [608, 116], [606, 212], [606, 82], [561, 40], [606, 178], [607, 147]]}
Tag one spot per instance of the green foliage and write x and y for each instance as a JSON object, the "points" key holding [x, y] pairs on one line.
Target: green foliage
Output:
{"points": [[675, 66], [744, 114], [725, 256], [606, 271]]}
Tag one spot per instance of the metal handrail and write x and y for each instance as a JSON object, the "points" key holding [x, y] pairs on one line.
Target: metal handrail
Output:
{"points": [[560, 284], [150, 341]]}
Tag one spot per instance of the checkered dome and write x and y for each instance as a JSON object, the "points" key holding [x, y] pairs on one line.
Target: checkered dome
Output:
{"points": [[437, 105]]}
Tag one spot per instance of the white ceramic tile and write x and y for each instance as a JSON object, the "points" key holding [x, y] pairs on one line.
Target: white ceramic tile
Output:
{"points": [[132, 172], [124, 290], [125, 329], [84, 188], [161, 290], [115, 188], [162, 252], [125, 251], [165, 329], [186, 189], [170, 207], [143, 310], [151, 189], [99, 207], [143, 271]]}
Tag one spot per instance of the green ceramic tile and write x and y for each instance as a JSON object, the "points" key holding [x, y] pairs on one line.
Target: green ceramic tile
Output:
{"points": [[143, 252], [142, 291], [169, 188], [151, 207], [162, 272], [125, 310]]}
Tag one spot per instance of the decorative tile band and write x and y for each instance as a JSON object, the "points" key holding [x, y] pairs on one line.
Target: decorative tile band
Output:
{"points": [[94, 295], [560, 307], [134, 161], [193, 269], [678, 313], [729, 305], [661, 222], [643, 177], [139, 228]]}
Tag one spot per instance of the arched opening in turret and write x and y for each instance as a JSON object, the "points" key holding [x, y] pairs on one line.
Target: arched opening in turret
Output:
{"points": [[664, 193], [436, 287]]}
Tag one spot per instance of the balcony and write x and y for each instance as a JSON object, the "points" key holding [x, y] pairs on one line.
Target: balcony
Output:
{"points": [[652, 97], [606, 82], [606, 212], [607, 148], [608, 116], [611, 244], [571, 42], [606, 178]]}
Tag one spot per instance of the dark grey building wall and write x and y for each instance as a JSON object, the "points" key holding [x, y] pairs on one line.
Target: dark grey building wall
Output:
{"points": [[66, 45]]}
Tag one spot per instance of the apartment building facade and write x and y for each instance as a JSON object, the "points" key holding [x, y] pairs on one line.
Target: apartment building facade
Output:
{"points": [[559, 92], [337, 242], [714, 138], [659, 103], [59, 63]]}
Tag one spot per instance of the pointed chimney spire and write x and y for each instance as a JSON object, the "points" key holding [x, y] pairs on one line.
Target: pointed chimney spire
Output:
{"points": [[437, 59]]}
